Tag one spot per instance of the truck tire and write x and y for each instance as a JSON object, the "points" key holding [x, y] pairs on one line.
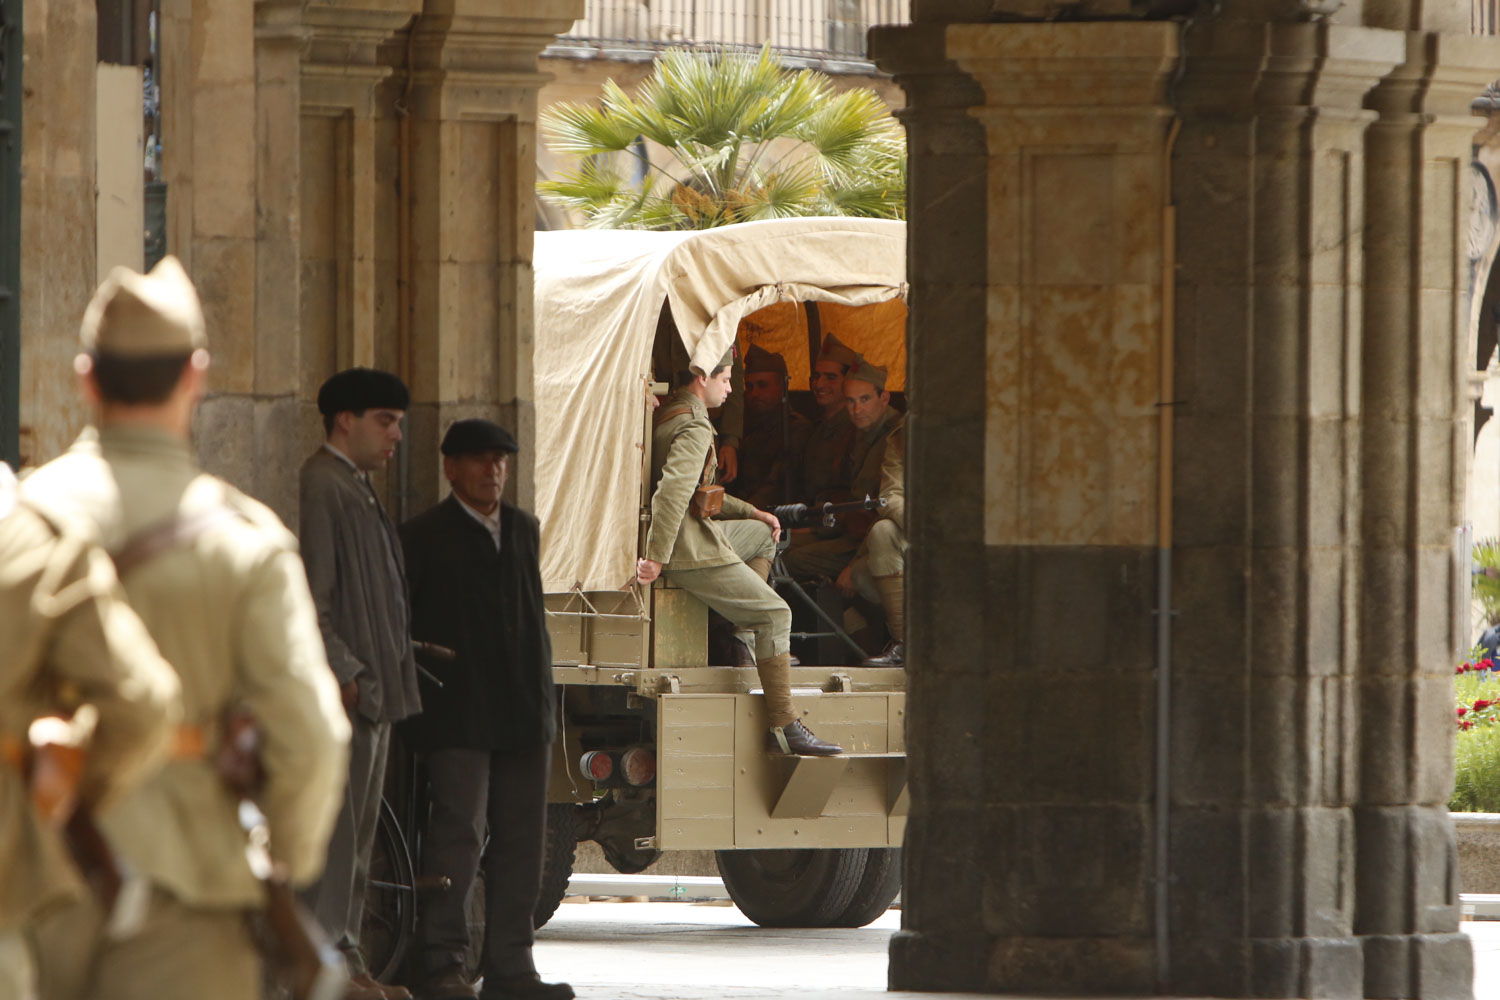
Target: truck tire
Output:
{"points": [[558, 852], [792, 888], [877, 888]]}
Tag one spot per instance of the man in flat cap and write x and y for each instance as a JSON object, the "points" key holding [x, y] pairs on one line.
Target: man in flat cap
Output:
{"points": [[869, 407], [822, 472], [71, 640], [773, 432], [473, 565], [723, 560], [215, 578], [354, 565]]}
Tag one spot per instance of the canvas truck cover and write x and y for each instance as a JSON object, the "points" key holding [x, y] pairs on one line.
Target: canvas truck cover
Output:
{"points": [[598, 297]]}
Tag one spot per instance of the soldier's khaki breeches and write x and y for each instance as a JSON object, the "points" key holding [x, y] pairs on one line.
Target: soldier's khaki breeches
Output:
{"points": [[809, 557], [884, 555], [738, 593], [15, 968], [179, 953]]}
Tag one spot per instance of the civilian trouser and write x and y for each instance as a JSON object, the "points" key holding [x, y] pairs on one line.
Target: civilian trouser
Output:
{"points": [[738, 593], [180, 952], [471, 789], [338, 899]]}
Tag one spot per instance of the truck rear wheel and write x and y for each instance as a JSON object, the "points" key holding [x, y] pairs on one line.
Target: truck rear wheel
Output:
{"points": [[877, 888], [560, 848], [793, 888]]}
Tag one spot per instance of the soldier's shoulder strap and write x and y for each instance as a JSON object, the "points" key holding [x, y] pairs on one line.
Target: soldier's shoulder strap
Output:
{"points": [[178, 529], [662, 416]]}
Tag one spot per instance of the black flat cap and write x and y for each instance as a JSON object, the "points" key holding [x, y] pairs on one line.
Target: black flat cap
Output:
{"points": [[360, 389], [465, 436]]}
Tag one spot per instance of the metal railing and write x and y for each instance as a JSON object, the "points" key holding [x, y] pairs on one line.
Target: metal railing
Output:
{"points": [[816, 29]]}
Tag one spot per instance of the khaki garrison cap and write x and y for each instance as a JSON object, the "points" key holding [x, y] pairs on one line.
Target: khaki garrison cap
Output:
{"points": [[141, 315], [863, 371], [758, 359], [837, 351], [724, 362]]}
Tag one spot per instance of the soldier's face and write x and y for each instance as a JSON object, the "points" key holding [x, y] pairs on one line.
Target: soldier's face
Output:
{"points": [[717, 389], [865, 402], [762, 392], [828, 383], [478, 477], [373, 436]]}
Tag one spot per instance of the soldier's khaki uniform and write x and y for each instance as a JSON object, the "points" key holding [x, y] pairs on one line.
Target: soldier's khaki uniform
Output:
{"points": [[811, 556], [879, 572], [823, 472], [708, 557], [770, 439], [229, 608], [70, 639]]}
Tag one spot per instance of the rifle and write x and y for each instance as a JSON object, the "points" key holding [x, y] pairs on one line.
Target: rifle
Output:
{"points": [[792, 515], [296, 948]]}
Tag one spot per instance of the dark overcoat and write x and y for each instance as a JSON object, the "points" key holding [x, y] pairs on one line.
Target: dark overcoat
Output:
{"points": [[487, 607]]}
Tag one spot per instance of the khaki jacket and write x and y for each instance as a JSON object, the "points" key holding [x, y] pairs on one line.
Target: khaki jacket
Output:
{"points": [[230, 610], [679, 447], [893, 476], [70, 639]]}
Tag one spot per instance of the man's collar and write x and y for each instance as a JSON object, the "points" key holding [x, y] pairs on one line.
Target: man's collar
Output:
{"points": [[341, 456]]}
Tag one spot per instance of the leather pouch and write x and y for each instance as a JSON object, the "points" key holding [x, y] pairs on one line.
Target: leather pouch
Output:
{"points": [[707, 501]]}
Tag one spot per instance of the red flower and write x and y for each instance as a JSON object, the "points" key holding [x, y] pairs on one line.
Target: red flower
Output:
{"points": [[1466, 724], [1482, 704], [1463, 668], [1486, 664], [1462, 712]]}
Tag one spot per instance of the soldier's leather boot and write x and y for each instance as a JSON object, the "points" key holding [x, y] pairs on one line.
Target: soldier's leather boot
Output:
{"points": [[893, 601], [797, 740]]}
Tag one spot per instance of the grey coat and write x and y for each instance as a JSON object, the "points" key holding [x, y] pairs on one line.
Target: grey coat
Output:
{"points": [[358, 582]]}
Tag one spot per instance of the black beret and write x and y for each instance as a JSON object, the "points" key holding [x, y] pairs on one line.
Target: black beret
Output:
{"points": [[360, 389], [465, 436]]}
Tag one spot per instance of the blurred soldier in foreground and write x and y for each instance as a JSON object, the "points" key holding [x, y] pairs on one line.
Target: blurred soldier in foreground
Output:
{"points": [[723, 562], [773, 432], [216, 579], [473, 563], [72, 641], [358, 581]]}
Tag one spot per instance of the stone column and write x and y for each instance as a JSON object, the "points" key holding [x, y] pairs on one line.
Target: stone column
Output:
{"points": [[1030, 844], [1416, 443], [943, 943], [472, 214], [57, 219], [1268, 178]]}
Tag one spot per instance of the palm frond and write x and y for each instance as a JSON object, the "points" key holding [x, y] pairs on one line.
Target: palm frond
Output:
{"points": [[583, 130]]}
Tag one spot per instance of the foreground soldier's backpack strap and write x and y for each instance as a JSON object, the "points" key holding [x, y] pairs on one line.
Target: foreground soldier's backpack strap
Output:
{"points": [[708, 499]]}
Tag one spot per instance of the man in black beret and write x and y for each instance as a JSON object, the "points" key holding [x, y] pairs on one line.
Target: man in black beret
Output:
{"points": [[354, 566], [473, 566]]}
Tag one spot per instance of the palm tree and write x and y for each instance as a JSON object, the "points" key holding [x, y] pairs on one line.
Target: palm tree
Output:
{"points": [[750, 140]]}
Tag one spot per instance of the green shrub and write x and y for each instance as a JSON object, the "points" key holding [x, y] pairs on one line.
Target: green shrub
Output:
{"points": [[1476, 778]]}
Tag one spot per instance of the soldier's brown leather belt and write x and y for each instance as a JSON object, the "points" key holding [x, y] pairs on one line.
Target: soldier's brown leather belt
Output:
{"points": [[188, 742]]}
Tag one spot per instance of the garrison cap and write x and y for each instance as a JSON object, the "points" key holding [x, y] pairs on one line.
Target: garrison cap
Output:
{"points": [[144, 315], [724, 362], [758, 359], [360, 389], [837, 351], [466, 436], [863, 371]]}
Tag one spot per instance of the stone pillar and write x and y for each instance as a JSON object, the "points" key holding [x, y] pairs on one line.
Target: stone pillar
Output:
{"points": [[57, 219], [1416, 443], [1267, 178], [1030, 843], [943, 944], [474, 84]]}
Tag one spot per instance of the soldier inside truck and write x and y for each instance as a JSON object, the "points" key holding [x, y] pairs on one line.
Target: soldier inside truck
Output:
{"points": [[822, 474]]}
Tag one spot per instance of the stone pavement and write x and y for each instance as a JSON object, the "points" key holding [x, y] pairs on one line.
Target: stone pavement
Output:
{"points": [[682, 951]]}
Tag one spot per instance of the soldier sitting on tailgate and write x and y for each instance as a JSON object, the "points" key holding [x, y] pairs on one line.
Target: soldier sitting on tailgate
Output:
{"points": [[773, 431], [723, 560]]}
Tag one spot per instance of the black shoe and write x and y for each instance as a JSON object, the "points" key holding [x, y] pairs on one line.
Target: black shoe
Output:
{"points": [[797, 740], [894, 655], [524, 988]]}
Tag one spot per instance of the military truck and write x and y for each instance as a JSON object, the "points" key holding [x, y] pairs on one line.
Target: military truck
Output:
{"points": [[658, 751]]}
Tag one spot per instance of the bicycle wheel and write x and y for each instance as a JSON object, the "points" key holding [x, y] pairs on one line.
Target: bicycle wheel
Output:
{"points": [[390, 917]]}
